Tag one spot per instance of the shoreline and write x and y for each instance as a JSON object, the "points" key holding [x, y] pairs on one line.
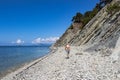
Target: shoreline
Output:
{"points": [[81, 65], [18, 69]]}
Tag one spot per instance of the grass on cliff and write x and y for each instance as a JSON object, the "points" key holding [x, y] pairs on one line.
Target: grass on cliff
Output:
{"points": [[111, 9]]}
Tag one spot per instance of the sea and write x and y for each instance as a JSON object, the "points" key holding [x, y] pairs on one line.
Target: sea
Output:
{"points": [[13, 57]]}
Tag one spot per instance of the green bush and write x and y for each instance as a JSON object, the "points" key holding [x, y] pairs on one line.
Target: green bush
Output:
{"points": [[86, 20], [71, 27], [77, 18], [89, 15]]}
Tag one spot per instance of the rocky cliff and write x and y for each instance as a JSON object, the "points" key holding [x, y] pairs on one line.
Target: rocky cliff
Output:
{"points": [[102, 31]]}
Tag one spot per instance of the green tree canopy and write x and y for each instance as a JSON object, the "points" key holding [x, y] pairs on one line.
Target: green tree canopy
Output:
{"points": [[105, 1], [87, 16], [77, 18]]}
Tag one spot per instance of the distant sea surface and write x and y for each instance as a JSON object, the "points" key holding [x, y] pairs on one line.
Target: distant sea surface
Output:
{"points": [[12, 57]]}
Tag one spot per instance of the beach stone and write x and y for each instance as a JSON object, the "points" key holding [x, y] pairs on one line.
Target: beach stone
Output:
{"points": [[57, 67], [79, 53]]}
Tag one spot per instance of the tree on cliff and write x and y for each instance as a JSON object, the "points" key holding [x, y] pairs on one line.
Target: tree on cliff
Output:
{"points": [[105, 2], [98, 6], [77, 18], [87, 16]]}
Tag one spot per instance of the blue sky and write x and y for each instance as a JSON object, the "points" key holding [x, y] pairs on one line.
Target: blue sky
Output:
{"points": [[30, 20]]}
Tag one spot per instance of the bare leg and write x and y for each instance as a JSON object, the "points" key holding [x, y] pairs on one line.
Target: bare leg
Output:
{"points": [[68, 52]]}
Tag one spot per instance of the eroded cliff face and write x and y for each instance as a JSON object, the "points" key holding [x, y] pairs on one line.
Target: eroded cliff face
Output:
{"points": [[68, 35], [103, 30]]}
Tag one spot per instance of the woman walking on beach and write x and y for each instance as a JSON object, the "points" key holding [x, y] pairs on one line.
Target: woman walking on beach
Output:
{"points": [[67, 48]]}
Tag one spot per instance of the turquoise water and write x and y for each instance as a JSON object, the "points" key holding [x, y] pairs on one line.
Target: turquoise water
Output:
{"points": [[14, 56]]}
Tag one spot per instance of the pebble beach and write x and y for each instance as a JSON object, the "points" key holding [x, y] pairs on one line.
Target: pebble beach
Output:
{"points": [[81, 65]]}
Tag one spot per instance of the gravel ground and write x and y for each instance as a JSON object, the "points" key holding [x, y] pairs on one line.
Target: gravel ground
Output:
{"points": [[80, 66]]}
